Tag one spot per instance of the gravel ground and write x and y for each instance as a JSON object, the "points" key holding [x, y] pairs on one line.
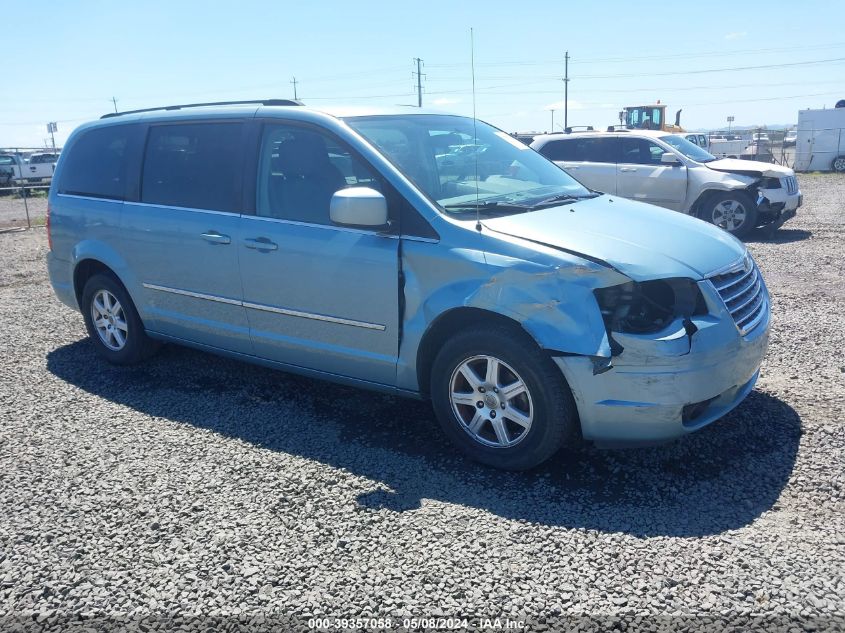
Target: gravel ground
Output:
{"points": [[195, 492]]}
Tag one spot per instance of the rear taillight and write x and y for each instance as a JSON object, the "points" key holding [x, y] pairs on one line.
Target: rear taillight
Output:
{"points": [[47, 225]]}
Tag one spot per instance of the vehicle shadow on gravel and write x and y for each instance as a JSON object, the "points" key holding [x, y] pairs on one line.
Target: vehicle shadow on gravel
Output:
{"points": [[721, 478], [781, 236]]}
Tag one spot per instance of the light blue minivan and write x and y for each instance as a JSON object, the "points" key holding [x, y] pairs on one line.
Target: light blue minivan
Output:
{"points": [[374, 249]]}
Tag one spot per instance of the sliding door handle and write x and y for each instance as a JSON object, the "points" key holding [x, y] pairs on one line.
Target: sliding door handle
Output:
{"points": [[216, 238], [261, 244]]}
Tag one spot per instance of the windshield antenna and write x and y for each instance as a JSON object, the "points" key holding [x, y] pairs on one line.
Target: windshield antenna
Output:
{"points": [[474, 131]]}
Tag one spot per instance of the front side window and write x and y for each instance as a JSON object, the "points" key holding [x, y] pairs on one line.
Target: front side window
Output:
{"points": [[96, 163], [300, 169], [193, 165], [640, 151], [464, 167]]}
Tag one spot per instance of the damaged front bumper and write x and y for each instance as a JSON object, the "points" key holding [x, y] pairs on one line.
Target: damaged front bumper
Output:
{"points": [[776, 206], [664, 386]]}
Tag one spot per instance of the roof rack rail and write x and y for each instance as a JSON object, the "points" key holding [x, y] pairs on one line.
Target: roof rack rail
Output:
{"points": [[572, 128], [618, 128], [267, 102]]}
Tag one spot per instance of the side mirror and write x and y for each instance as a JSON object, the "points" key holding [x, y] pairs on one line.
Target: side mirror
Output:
{"points": [[669, 158], [358, 206]]}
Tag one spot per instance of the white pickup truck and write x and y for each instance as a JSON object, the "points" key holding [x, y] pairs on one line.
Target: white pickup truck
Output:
{"points": [[37, 169]]}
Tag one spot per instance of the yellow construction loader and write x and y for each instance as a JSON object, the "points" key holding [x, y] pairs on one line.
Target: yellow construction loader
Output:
{"points": [[649, 117]]}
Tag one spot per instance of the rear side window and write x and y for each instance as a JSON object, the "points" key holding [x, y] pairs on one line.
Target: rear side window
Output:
{"points": [[597, 150], [559, 150], [96, 163], [194, 165]]}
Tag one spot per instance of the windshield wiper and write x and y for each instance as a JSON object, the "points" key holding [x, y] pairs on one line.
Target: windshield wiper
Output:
{"points": [[563, 197], [490, 205]]}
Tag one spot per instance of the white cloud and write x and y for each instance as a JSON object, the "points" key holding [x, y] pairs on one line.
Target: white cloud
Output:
{"points": [[445, 101], [736, 35]]}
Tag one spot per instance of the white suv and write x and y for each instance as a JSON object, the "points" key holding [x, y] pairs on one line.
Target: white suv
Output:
{"points": [[667, 170]]}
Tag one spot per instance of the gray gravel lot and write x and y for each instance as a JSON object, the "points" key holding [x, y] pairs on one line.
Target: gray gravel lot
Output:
{"points": [[196, 492]]}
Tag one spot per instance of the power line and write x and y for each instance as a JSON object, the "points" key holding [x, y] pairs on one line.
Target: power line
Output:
{"points": [[834, 60], [602, 60]]}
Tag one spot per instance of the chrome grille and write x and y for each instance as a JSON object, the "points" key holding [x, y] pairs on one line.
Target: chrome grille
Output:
{"points": [[791, 184], [742, 291]]}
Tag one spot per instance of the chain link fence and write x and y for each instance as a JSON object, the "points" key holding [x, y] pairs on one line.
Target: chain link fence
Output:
{"points": [[25, 177], [760, 144]]}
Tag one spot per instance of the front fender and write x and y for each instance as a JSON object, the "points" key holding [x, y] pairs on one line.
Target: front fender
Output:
{"points": [[554, 303]]}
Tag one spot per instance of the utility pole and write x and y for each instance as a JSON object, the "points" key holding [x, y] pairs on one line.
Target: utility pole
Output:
{"points": [[294, 82], [419, 81], [52, 128], [566, 92], [114, 101], [553, 119]]}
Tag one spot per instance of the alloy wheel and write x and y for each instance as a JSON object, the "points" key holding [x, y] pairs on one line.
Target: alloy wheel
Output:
{"points": [[729, 215], [491, 401], [109, 320]]}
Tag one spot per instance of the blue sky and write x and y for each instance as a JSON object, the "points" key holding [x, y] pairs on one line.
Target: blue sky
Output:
{"points": [[70, 58]]}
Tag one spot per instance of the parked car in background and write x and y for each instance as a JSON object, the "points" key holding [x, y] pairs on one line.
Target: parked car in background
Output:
{"points": [[667, 170], [526, 307], [725, 147], [697, 138], [37, 169], [8, 163], [790, 138], [43, 158]]}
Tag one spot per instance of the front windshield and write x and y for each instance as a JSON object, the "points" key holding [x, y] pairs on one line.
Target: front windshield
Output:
{"points": [[690, 150], [492, 172]]}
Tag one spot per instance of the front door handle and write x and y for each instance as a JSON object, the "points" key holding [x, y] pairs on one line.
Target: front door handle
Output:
{"points": [[216, 238], [261, 244], [627, 169]]}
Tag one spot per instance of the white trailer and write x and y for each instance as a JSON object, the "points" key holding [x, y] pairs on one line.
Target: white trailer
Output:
{"points": [[821, 140]]}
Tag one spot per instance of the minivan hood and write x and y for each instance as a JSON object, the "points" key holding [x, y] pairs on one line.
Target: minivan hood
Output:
{"points": [[749, 167], [639, 240]]}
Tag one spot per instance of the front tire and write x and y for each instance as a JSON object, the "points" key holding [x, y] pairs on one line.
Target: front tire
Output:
{"points": [[113, 323], [500, 399], [733, 211], [838, 164]]}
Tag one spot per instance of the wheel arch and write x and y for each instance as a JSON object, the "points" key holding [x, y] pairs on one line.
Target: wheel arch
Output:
{"points": [[447, 324], [704, 197], [87, 268]]}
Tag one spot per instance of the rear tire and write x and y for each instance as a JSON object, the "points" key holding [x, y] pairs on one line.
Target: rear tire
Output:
{"points": [[113, 323], [732, 211], [527, 412], [838, 164]]}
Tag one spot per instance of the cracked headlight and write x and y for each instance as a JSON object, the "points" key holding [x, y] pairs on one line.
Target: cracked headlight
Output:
{"points": [[649, 306]]}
